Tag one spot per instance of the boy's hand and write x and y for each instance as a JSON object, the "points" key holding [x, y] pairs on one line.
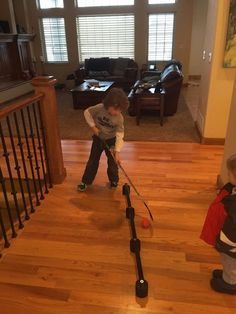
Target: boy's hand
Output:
{"points": [[95, 130], [117, 157]]}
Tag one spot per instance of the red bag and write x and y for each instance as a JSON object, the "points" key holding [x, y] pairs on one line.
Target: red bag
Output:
{"points": [[215, 219]]}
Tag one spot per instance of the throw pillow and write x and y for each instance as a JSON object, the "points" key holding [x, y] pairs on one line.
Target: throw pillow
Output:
{"points": [[120, 66], [98, 64]]}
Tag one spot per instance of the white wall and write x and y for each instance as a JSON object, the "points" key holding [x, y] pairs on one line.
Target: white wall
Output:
{"points": [[200, 8], [230, 142], [217, 81]]}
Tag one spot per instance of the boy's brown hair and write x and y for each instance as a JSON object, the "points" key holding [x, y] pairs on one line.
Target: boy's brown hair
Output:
{"points": [[231, 164], [117, 98]]}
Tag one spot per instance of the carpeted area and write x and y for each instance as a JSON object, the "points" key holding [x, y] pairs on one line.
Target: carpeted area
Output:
{"points": [[177, 128]]}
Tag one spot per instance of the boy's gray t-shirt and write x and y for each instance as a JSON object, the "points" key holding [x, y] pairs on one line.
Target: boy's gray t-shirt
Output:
{"points": [[108, 125]]}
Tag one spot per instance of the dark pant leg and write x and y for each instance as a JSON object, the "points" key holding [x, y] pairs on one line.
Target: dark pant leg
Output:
{"points": [[229, 268], [93, 162], [112, 168]]}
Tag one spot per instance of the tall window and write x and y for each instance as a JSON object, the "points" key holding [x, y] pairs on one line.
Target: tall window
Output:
{"points": [[160, 43], [54, 39], [103, 3], [48, 4], [161, 1], [106, 36]]}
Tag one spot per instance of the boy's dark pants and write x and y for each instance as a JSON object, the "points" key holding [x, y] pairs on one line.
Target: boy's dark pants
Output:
{"points": [[94, 158]]}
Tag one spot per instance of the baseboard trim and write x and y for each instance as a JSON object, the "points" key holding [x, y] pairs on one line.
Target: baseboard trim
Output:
{"points": [[212, 141], [207, 140], [194, 77]]}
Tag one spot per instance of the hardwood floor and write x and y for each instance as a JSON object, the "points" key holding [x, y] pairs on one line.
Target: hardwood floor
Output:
{"points": [[73, 255]]}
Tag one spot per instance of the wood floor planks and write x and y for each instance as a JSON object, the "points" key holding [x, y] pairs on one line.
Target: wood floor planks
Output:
{"points": [[73, 255]]}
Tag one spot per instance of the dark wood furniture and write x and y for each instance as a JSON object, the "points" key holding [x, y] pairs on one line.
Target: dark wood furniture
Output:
{"points": [[84, 95], [170, 81], [147, 100], [15, 57]]}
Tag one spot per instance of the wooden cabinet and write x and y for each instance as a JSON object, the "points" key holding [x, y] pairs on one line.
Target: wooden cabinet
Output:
{"points": [[15, 57]]}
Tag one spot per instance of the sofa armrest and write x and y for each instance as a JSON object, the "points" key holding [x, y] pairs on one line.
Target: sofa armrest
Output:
{"points": [[80, 73], [131, 73]]}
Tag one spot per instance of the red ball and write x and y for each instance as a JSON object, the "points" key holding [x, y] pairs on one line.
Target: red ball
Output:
{"points": [[145, 223]]}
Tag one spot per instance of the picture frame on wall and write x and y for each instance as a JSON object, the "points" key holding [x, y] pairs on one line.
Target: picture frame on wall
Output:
{"points": [[230, 48]]}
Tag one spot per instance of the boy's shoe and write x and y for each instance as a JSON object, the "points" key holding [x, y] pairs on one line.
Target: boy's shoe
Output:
{"points": [[82, 187], [113, 185], [217, 273], [219, 285]]}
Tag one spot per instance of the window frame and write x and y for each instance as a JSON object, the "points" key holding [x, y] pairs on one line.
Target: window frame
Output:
{"points": [[81, 60], [104, 6], [173, 41], [43, 42], [52, 8]]}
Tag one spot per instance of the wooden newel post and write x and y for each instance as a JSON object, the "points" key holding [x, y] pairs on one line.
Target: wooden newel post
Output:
{"points": [[45, 85]]}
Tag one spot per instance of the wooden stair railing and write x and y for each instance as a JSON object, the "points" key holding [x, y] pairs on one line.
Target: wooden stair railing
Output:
{"points": [[45, 85], [31, 158]]}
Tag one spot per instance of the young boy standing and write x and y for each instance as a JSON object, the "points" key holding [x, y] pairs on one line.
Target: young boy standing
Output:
{"points": [[107, 124], [219, 230]]}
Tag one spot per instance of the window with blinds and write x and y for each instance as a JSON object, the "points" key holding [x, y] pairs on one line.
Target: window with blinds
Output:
{"points": [[54, 39], [160, 43], [161, 1], [48, 4], [103, 3], [106, 36]]}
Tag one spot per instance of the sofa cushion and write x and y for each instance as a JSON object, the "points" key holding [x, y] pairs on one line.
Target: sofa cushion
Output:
{"points": [[120, 66], [98, 64], [112, 65], [151, 78], [99, 73]]}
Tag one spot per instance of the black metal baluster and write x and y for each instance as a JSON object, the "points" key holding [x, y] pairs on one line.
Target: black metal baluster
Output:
{"points": [[13, 190], [4, 190], [45, 146], [17, 168], [40, 148], [20, 144], [30, 157], [4, 234], [35, 153]]}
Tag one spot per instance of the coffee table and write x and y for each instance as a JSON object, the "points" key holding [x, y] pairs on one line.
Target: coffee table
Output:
{"points": [[85, 96]]}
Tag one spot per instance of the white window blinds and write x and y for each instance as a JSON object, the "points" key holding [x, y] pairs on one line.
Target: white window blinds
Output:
{"points": [[106, 36], [48, 4], [160, 43], [161, 1], [54, 39], [103, 3]]}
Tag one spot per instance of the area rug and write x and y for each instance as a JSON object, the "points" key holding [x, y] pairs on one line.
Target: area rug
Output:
{"points": [[177, 128]]}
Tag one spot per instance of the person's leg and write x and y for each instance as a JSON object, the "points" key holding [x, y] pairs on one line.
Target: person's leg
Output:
{"points": [[93, 162], [229, 269], [112, 168], [227, 282]]}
